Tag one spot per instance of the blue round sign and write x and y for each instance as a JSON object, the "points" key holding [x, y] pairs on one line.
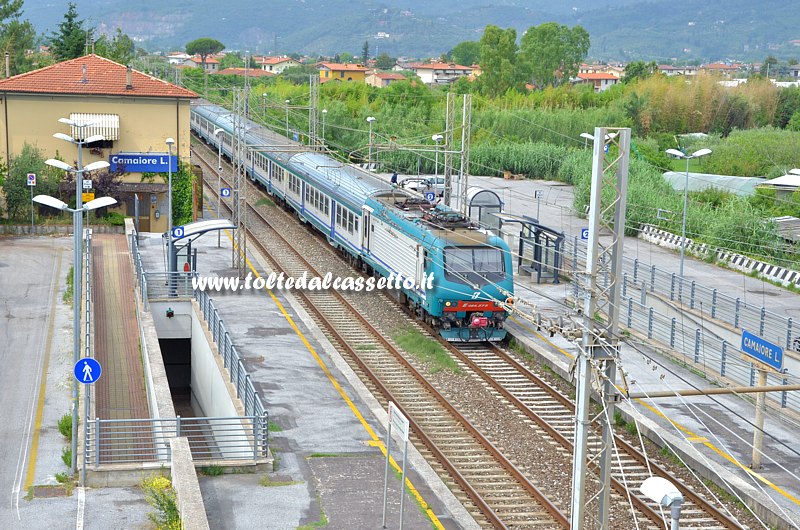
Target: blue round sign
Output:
{"points": [[430, 196], [225, 192], [177, 232], [87, 370], [584, 233]]}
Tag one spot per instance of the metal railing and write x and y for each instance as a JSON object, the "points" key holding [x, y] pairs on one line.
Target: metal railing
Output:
{"points": [[704, 352], [159, 285], [709, 302], [242, 438], [239, 377]]}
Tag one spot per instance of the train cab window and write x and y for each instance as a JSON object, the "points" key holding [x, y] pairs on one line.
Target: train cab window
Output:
{"points": [[478, 265]]}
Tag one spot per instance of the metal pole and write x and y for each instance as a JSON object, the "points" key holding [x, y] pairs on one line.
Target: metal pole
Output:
{"points": [[386, 470], [436, 163], [758, 433], [683, 226], [287, 118], [403, 482], [219, 186], [324, 113], [369, 156], [77, 222]]}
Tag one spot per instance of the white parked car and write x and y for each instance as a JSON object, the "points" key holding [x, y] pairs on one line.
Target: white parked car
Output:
{"points": [[424, 184]]}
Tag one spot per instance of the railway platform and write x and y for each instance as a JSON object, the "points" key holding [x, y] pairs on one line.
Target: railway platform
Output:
{"points": [[326, 441], [120, 392]]}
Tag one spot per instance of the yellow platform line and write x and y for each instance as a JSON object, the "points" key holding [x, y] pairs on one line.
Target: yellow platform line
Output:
{"points": [[691, 437], [375, 439], [30, 472]]}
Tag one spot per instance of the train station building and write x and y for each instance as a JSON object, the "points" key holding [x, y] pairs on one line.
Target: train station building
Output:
{"points": [[134, 112]]}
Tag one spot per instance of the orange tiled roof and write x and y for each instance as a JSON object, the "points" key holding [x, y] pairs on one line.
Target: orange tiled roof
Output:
{"points": [[597, 76], [347, 67], [438, 66], [381, 75], [103, 77], [275, 60]]}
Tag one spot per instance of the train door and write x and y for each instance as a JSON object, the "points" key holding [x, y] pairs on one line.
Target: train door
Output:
{"points": [[366, 229], [420, 265]]}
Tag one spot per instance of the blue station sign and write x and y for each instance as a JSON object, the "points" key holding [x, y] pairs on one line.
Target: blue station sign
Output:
{"points": [[762, 351], [143, 162]]}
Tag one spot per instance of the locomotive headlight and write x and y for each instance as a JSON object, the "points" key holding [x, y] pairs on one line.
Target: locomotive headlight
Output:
{"points": [[447, 304]]}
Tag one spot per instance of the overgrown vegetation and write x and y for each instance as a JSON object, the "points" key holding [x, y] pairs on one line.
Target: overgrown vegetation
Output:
{"points": [[426, 349], [212, 471], [159, 494], [65, 426], [69, 292], [66, 456]]}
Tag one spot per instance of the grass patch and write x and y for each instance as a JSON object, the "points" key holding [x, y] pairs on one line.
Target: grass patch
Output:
{"points": [[69, 292], [29, 494], [323, 521], [212, 471], [264, 201], [366, 347], [67, 481], [426, 349], [619, 421], [667, 453], [274, 427], [65, 426], [269, 483], [66, 456], [723, 494], [631, 428]]}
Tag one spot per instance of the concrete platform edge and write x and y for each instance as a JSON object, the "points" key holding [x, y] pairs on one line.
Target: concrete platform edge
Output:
{"points": [[757, 501], [457, 511]]}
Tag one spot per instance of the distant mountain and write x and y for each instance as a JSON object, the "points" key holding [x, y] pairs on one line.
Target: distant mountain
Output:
{"points": [[620, 29]]}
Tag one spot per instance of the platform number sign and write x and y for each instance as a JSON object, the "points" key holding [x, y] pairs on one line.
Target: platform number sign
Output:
{"points": [[225, 192], [177, 232], [584, 233], [538, 194], [430, 196], [31, 179]]}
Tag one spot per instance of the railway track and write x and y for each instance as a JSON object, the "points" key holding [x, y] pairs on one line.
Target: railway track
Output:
{"points": [[495, 492], [491, 487]]}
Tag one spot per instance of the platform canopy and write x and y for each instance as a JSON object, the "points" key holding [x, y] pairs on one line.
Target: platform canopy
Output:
{"points": [[199, 228]]}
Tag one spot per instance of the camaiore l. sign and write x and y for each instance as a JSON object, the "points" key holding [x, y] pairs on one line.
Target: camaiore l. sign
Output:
{"points": [[143, 162], [762, 350]]}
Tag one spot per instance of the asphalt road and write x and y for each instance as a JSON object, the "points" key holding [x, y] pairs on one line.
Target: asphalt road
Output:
{"points": [[32, 273]]}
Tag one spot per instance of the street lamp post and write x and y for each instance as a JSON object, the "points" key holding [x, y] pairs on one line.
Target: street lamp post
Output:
{"points": [[437, 138], [324, 113], [680, 154], [76, 276], [219, 180], [173, 258], [77, 228], [664, 492], [370, 119], [287, 117]]}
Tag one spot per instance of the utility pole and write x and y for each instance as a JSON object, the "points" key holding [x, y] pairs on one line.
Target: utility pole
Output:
{"points": [[466, 126], [450, 114], [313, 105], [239, 217], [600, 348]]}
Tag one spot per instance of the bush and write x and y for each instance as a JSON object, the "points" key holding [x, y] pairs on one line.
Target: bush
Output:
{"points": [[159, 494], [65, 426], [114, 219], [66, 457]]}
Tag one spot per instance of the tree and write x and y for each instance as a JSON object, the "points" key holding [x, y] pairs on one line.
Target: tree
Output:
{"points": [[231, 60], [16, 36], [120, 48], [204, 47], [639, 70], [768, 66], [498, 60], [365, 53], [553, 53], [466, 53], [385, 62], [69, 41], [15, 187]]}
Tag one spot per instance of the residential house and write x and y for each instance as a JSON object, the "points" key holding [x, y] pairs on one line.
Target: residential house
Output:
{"points": [[177, 57], [436, 73], [721, 68], [600, 81], [613, 69], [381, 79], [670, 70], [212, 64], [341, 72], [794, 71], [277, 65], [131, 111]]}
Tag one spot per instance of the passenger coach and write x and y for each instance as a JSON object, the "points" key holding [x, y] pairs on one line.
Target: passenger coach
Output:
{"points": [[384, 230]]}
